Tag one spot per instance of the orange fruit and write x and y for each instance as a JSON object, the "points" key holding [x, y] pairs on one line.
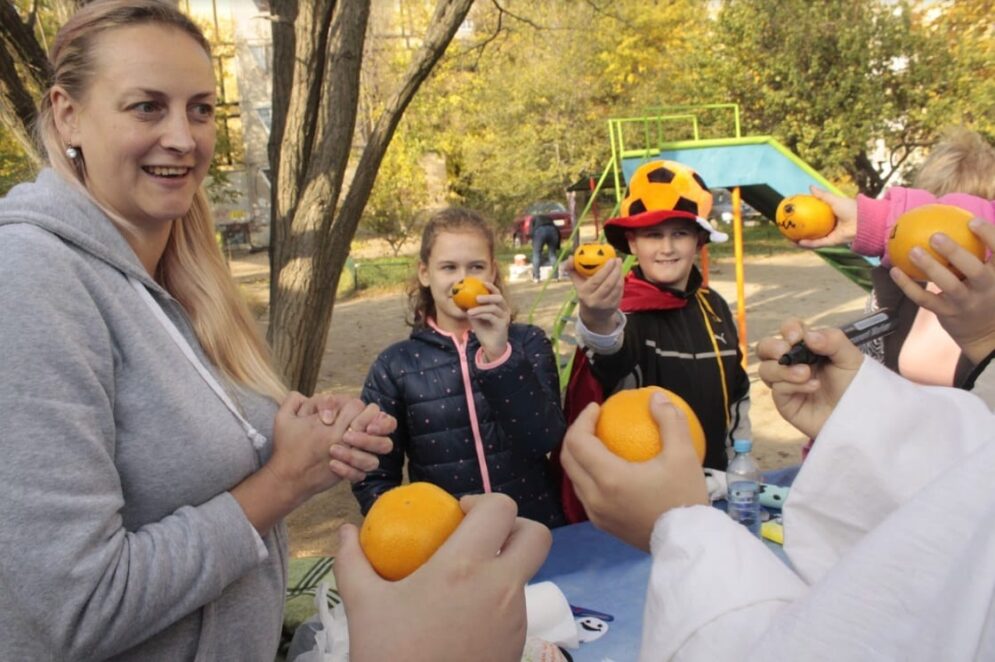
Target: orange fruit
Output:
{"points": [[466, 291], [804, 217], [589, 258], [915, 227], [626, 426], [405, 526]]}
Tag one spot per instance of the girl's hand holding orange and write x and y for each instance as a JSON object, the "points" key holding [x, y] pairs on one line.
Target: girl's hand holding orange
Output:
{"points": [[845, 210], [965, 308], [489, 320]]}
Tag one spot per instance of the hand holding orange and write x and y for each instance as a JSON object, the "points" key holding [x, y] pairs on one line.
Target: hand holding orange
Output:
{"points": [[626, 425], [589, 258], [804, 217], [406, 525], [466, 291], [916, 226]]}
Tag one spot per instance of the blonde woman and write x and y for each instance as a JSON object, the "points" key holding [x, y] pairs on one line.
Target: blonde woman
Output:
{"points": [[148, 460]]}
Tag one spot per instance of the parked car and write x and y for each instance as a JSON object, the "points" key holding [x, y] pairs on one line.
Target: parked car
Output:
{"points": [[521, 229], [722, 207]]}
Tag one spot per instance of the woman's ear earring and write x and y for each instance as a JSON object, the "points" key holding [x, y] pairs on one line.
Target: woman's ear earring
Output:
{"points": [[72, 153]]}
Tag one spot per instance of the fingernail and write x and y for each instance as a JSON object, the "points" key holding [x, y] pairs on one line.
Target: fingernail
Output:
{"points": [[939, 240], [658, 398], [815, 336], [917, 254], [327, 417], [975, 223]]}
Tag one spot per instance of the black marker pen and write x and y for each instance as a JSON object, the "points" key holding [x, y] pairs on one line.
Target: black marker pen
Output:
{"points": [[861, 331]]}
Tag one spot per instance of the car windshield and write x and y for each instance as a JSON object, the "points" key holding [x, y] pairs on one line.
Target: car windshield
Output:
{"points": [[546, 207]]}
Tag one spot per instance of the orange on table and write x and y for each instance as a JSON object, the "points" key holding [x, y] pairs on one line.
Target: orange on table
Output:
{"points": [[626, 425], [804, 217], [466, 291], [916, 226], [589, 258], [406, 525]]}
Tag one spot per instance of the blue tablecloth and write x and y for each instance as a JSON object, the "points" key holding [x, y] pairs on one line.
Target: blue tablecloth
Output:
{"points": [[598, 571]]}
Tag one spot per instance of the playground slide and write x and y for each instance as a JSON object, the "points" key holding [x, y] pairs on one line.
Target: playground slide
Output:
{"points": [[766, 171]]}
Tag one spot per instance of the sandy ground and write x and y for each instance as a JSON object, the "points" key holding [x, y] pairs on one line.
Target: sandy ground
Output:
{"points": [[797, 283]]}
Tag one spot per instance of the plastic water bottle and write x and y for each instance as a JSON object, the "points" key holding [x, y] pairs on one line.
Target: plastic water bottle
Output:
{"points": [[743, 484]]}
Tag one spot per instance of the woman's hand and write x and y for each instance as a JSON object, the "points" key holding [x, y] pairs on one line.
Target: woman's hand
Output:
{"points": [[599, 296], [965, 308], [845, 210], [626, 498], [489, 321], [806, 395], [367, 430], [466, 603], [310, 456]]}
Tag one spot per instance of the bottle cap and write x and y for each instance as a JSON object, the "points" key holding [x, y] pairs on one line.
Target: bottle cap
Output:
{"points": [[742, 445]]}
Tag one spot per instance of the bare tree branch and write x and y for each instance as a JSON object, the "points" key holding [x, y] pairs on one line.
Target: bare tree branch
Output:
{"points": [[523, 19]]}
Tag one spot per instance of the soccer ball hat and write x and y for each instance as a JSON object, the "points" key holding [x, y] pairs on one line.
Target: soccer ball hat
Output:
{"points": [[660, 191]]}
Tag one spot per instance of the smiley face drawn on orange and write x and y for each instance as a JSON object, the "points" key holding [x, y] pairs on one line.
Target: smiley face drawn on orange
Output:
{"points": [[589, 258]]}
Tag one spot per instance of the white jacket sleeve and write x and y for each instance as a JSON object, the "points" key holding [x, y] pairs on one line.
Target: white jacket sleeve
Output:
{"points": [[713, 587], [886, 439]]}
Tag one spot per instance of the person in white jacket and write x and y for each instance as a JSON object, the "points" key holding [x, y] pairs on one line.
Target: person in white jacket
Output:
{"points": [[889, 529]]}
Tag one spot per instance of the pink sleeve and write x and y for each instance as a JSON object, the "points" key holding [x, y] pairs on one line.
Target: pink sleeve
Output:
{"points": [[875, 218], [481, 358]]}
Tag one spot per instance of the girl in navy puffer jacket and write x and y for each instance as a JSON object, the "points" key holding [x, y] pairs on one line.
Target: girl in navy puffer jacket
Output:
{"points": [[475, 396]]}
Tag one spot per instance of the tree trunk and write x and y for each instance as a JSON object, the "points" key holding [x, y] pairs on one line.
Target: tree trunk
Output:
{"points": [[24, 70], [314, 215]]}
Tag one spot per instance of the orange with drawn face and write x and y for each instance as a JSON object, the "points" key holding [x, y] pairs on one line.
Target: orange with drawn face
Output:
{"points": [[466, 291], [915, 227], [589, 258], [804, 217]]}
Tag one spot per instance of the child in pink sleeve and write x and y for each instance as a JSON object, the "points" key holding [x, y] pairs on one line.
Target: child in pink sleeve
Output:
{"points": [[959, 171], [875, 218]]}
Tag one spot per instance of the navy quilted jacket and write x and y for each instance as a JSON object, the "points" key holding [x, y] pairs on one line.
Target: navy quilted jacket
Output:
{"points": [[501, 435]]}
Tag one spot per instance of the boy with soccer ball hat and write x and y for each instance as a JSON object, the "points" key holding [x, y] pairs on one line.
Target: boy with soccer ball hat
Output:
{"points": [[658, 325]]}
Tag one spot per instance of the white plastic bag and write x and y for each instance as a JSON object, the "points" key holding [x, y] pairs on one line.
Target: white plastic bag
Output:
{"points": [[331, 641]]}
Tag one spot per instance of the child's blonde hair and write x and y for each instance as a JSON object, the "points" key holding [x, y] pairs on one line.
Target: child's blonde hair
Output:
{"points": [[961, 162], [192, 268], [421, 305]]}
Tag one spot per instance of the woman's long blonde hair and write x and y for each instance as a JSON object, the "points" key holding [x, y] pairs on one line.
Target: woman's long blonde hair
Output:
{"points": [[192, 268]]}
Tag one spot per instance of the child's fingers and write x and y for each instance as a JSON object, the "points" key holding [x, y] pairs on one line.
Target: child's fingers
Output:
{"points": [[579, 431], [484, 530], [358, 578], [939, 273], [674, 428], [792, 330], [835, 346], [772, 348], [772, 373], [525, 549], [985, 231]]}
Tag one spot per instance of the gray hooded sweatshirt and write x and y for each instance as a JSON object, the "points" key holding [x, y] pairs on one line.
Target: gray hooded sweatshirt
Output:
{"points": [[118, 536]]}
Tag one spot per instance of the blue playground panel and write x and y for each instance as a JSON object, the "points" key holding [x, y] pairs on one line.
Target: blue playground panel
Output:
{"points": [[738, 165]]}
